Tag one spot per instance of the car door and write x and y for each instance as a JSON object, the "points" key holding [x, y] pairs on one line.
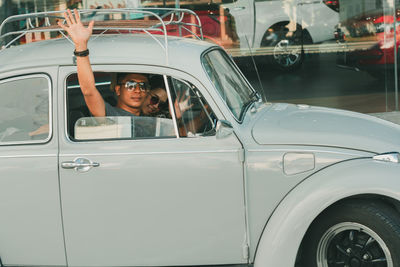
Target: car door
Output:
{"points": [[243, 13], [277, 15], [319, 19], [164, 200], [30, 224]]}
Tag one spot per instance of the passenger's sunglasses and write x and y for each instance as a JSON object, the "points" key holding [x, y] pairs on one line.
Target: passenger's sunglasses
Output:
{"points": [[131, 85], [154, 100]]}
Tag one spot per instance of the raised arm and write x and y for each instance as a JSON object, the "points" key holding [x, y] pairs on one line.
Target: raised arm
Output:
{"points": [[80, 36]]}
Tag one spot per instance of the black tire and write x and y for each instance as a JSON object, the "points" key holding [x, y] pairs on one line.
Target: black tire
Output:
{"points": [[357, 233], [285, 50]]}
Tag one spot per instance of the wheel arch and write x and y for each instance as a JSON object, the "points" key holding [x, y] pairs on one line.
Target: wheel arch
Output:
{"points": [[306, 33], [392, 203], [284, 232]]}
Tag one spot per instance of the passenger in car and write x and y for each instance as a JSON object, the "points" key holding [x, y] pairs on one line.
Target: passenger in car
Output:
{"points": [[156, 102], [131, 89]]}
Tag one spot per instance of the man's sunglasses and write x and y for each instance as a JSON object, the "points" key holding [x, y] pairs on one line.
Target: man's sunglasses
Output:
{"points": [[131, 85], [154, 100]]}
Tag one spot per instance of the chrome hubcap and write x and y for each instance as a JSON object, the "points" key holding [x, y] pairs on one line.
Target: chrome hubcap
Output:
{"points": [[286, 54], [352, 245]]}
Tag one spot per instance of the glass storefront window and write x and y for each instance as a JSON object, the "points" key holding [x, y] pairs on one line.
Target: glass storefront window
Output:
{"points": [[334, 53]]}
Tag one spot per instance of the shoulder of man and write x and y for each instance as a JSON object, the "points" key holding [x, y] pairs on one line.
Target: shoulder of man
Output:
{"points": [[115, 111]]}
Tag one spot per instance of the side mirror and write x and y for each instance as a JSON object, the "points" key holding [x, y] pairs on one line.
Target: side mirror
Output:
{"points": [[224, 129]]}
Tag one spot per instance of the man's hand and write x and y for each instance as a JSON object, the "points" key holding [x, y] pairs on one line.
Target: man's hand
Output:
{"points": [[79, 34]]}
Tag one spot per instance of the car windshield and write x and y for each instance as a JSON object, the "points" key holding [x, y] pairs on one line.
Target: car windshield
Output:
{"points": [[228, 81]]}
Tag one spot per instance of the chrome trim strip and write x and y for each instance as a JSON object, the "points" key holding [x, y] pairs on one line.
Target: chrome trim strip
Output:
{"points": [[29, 156], [297, 149], [171, 106], [388, 157], [97, 84], [318, 148], [151, 153]]}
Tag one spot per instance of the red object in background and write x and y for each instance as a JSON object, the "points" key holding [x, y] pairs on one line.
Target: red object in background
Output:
{"points": [[333, 4], [378, 29], [217, 24], [383, 51]]}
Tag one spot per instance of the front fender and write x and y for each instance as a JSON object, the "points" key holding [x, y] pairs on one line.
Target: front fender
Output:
{"points": [[288, 224]]}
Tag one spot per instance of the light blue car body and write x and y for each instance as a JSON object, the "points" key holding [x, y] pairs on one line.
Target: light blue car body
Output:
{"points": [[245, 197]]}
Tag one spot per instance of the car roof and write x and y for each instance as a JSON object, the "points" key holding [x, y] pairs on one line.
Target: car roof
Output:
{"points": [[107, 49]]}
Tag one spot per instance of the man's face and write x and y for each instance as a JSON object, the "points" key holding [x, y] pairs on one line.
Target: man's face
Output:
{"points": [[155, 98], [132, 91]]}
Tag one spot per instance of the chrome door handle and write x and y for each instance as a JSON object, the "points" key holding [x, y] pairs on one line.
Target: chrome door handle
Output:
{"points": [[79, 164], [71, 164]]}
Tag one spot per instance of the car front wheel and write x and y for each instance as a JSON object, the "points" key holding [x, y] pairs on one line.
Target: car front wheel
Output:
{"points": [[285, 49], [354, 234]]}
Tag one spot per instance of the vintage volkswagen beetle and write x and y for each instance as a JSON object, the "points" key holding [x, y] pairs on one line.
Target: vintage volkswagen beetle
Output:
{"points": [[255, 183]]}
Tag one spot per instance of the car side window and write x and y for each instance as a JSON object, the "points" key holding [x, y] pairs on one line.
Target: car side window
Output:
{"points": [[25, 109], [76, 106], [149, 96], [193, 114]]}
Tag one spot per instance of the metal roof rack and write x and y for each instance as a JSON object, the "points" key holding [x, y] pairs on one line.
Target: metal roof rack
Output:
{"points": [[152, 21]]}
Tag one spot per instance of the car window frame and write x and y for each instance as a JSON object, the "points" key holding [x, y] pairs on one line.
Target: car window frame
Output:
{"points": [[133, 68], [241, 119], [65, 103], [197, 91], [50, 103]]}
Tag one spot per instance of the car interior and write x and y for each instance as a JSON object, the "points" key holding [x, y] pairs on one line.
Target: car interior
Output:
{"points": [[196, 119]]}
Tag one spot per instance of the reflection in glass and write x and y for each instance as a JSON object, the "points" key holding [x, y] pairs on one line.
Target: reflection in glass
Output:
{"points": [[123, 127], [369, 34], [194, 115], [335, 53], [228, 82], [24, 110]]}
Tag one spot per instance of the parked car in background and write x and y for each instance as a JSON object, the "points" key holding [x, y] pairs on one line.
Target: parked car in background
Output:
{"points": [[369, 41], [218, 24], [219, 178], [275, 30], [280, 29]]}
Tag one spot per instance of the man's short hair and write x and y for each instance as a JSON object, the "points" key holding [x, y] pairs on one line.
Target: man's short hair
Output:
{"points": [[122, 75]]}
